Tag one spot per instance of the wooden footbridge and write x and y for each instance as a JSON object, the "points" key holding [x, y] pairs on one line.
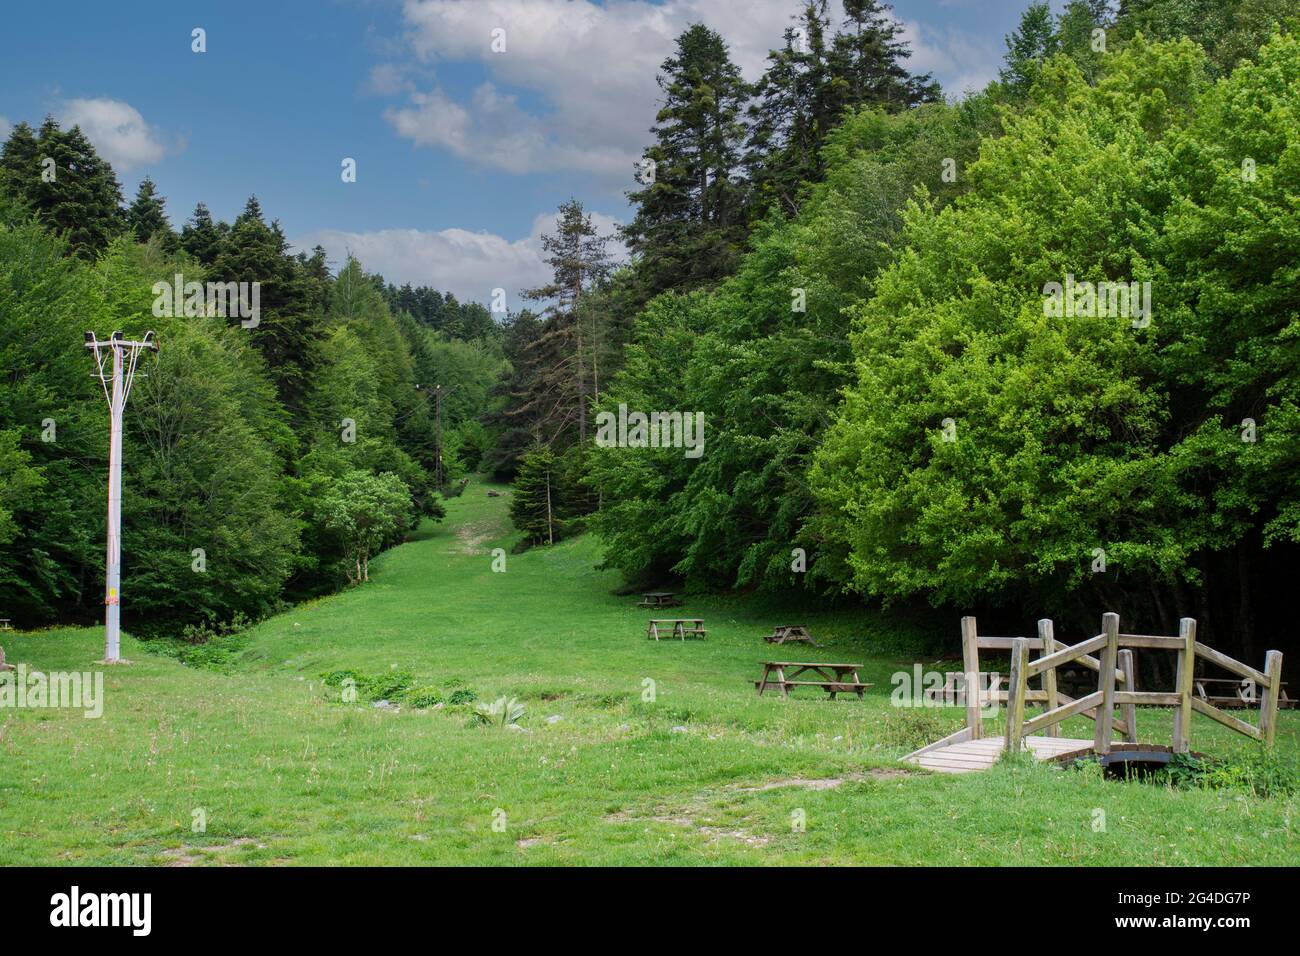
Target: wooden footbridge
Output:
{"points": [[969, 749]]}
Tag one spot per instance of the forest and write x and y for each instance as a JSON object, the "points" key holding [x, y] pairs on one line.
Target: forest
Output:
{"points": [[840, 265]]}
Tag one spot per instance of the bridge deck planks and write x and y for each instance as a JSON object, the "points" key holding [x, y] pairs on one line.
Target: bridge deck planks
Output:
{"points": [[984, 753]]}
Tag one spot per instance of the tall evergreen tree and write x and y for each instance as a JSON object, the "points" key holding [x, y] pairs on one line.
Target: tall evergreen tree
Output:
{"points": [[809, 85], [201, 237], [287, 329], [556, 399], [64, 181], [867, 62], [147, 214], [690, 219]]}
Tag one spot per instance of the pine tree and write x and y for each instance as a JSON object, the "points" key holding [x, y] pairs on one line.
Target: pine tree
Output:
{"points": [[690, 219], [201, 237], [809, 85], [867, 62], [64, 181], [287, 329], [556, 399], [535, 496], [147, 215]]}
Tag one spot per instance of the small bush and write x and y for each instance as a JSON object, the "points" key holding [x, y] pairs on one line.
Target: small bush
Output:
{"points": [[1260, 772], [336, 678], [391, 685], [462, 695], [423, 697]]}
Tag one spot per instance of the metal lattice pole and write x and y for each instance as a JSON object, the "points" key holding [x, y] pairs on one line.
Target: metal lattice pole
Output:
{"points": [[116, 362]]}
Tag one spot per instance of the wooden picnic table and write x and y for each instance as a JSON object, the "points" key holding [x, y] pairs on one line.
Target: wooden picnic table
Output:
{"points": [[832, 678], [659, 599], [790, 633], [1235, 692], [680, 627]]}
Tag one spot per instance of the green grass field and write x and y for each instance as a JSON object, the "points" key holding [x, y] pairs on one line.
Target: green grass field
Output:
{"points": [[286, 773]]}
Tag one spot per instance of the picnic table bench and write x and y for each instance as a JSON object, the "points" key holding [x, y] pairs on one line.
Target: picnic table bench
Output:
{"points": [[659, 599], [784, 633], [1235, 692], [678, 627], [4, 624], [832, 678]]}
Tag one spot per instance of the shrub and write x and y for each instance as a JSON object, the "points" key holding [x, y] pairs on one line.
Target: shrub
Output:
{"points": [[423, 697]]}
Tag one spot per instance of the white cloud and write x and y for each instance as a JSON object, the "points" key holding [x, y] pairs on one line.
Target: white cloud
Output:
{"points": [[961, 62], [5, 127], [592, 68], [469, 264], [117, 130]]}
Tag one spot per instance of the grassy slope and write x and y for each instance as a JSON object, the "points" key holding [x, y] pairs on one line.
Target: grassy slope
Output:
{"points": [[288, 774]]}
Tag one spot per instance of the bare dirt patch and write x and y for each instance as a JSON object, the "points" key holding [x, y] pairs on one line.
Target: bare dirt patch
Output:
{"points": [[198, 855]]}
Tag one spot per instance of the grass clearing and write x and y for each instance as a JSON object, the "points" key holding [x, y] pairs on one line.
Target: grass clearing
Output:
{"points": [[286, 773]]}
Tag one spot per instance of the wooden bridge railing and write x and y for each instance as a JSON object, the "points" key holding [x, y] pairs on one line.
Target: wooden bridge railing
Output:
{"points": [[1116, 649]]}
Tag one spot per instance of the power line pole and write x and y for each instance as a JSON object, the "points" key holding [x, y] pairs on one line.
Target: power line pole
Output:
{"points": [[115, 361]]}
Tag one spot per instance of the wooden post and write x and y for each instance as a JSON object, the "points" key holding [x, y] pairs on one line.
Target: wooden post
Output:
{"points": [[1130, 711], [1268, 707], [970, 653], [1185, 670], [1049, 676], [1016, 695], [1106, 683]]}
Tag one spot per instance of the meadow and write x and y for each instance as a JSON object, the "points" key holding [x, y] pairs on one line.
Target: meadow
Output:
{"points": [[249, 740]]}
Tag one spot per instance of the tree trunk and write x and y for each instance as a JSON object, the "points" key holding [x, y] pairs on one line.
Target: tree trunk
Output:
{"points": [[550, 528]]}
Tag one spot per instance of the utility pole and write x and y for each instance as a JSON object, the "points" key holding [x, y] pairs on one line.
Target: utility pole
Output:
{"points": [[437, 430], [115, 361]]}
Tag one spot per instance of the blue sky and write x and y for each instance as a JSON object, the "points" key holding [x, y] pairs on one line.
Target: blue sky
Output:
{"points": [[462, 152]]}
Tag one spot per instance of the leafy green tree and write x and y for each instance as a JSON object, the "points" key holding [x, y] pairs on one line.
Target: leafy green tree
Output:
{"points": [[764, 356], [1229, 30], [1028, 46], [365, 512]]}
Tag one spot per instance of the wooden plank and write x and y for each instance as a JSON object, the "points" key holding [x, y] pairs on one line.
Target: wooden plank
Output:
{"points": [[1150, 698], [959, 736], [1228, 664], [1151, 640], [1209, 710], [1106, 710], [1006, 643], [1064, 711], [1016, 701], [1184, 678], [1091, 713], [1047, 635], [1268, 706], [1129, 671], [971, 661], [1067, 654]]}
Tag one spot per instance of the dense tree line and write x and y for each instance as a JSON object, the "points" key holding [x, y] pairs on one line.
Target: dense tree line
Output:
{"points": [[895, 412], [263, 462]]}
